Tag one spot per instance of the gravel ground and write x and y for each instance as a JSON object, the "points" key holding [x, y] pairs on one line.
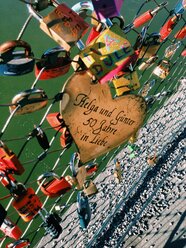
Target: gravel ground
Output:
{"points": [[147, 208]]}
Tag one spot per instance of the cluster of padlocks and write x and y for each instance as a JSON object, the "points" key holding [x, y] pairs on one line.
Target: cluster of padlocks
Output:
{"points": [[107, 64]]}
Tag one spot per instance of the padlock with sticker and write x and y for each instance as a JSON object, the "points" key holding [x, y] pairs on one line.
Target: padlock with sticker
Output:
{"points": [[162, 69], [8, 227], [16, 58], [89, 188], [9, 161], [25, 202], [63, 25], [150, 46], [126, 83], [56, 62], [52, 185], [105, 55]]}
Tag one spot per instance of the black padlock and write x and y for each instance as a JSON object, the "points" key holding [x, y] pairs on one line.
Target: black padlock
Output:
{"points": [[15, 62]]}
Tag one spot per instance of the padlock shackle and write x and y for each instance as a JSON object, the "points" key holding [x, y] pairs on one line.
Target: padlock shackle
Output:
{"points": [[12, 44], [41, 179], [82, 6], [32, 11]]}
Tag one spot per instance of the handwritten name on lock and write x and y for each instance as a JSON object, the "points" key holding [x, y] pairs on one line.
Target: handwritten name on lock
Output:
{"points": [[106, 52], [97, 122]]}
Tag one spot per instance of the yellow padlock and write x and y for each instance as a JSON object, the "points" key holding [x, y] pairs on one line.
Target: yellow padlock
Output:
{"points": [[106, 53], [126, 83], [150, 46]]}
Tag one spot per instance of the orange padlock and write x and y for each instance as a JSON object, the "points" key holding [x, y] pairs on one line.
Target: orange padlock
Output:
{"points": [[27, 204], [21, 243], [65, 138], [55, 120], [9, 160], [6, 179], [54, 187]]}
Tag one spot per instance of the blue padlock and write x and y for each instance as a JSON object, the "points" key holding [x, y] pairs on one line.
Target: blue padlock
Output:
{"points": [[16, 62], [56, 62]]}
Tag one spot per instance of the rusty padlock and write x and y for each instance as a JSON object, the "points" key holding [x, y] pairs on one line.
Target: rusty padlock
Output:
{"points": [[89, 188], [162, 69], [14, 62], [25, 202], [107, 53], [56, 62], [52, 185], [9, 161], [63, 25], [126, 83]]}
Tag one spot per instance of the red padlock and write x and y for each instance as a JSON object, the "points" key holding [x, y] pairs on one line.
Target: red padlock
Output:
{"points": [[9, 161], [6, 179], [56, 121], [10, 229], [54, 187], [65, 138], [168, 27], [7, 226], [91, 168], [181, 34], [94, 32], [22, 243], [183, 53], [26, 202]]}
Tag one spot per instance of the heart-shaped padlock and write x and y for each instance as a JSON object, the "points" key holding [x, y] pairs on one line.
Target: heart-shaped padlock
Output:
{"points": [[56, 62], [103, 122], [16, 62]]}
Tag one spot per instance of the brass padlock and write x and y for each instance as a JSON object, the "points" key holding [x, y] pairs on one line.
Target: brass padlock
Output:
{"points": [[150, 46], [107, 53], [63, 25], [148, 63], [89, 188], [126, 83], [117, 171], [163, 69]]}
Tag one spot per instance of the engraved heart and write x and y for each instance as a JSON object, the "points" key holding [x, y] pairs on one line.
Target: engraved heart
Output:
{"points": [[97, 122]]}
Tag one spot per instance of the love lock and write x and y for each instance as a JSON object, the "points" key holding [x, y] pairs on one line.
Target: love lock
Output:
{"points": [[83, 210], [117, 170], [9, 161], [78, 172], [15, 62], [89, 188], [56, 62], [91, 168], [170, 50], [148, 63], [163, 69], [56, 121], [29, 101], [128, 82], [181, 34], [22, 243], [63, 25], [107, 8], [105, 55], [41, 137], [8, 227], [150, 46], [52, 185], [25, 202]]}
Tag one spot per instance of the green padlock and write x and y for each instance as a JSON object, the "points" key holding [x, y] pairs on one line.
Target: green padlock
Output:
{"points": [[107, 53]]}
